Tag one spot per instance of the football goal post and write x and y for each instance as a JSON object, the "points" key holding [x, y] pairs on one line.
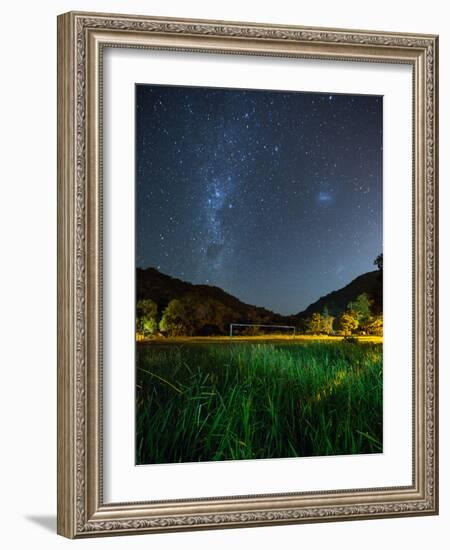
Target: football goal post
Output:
{"points": [[248, 329]]}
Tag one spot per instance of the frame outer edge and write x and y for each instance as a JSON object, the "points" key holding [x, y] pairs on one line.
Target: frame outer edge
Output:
{"points": [[436, 270], [66, 524], [75, 206]]}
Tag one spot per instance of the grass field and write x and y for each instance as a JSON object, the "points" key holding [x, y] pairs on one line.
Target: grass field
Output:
{"points": [[202, 401]]}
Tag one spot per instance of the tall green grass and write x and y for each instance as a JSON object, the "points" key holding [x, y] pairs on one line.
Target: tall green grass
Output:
{"points": [[247, 401]]}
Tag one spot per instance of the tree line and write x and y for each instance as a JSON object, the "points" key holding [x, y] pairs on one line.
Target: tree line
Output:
{"points": [[188, 316], [358, 318]]}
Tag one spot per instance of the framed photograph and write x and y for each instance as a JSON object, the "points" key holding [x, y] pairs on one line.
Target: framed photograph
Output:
{"points": [[247, 288]]}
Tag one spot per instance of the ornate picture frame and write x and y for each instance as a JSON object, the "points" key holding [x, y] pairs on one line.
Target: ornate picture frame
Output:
{"points": [[82, 39]]}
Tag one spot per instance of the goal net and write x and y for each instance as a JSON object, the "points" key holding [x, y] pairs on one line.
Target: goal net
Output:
{"points": [[248, 329]]}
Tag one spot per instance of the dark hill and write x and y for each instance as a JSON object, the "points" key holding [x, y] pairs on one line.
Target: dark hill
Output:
{"points": [[336, 302], [161, 288]]}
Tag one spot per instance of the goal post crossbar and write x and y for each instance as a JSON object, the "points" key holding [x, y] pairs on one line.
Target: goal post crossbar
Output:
{"points": [[232, 325]]}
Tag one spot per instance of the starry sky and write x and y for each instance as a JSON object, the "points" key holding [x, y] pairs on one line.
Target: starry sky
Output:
{"points": [[274, 196]]}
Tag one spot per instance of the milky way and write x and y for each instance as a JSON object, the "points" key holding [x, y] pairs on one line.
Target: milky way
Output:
{"points": [[276, 197]]}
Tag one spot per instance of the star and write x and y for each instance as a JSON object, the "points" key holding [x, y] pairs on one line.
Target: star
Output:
{"points": [[237, 187]]}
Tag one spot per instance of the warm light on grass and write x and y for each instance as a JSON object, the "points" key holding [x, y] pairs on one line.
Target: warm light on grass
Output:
{"points": [[246, 338]]}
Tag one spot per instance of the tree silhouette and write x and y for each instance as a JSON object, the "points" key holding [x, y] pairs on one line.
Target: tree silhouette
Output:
{"points": [[348, 322], [379, 261], [146, 317]]}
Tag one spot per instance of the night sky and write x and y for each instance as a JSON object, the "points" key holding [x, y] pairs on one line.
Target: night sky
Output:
{"points": [[276, 197]]}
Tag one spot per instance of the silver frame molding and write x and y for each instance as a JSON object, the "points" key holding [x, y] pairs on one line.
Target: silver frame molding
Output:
{"points": [[81, 38]]}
